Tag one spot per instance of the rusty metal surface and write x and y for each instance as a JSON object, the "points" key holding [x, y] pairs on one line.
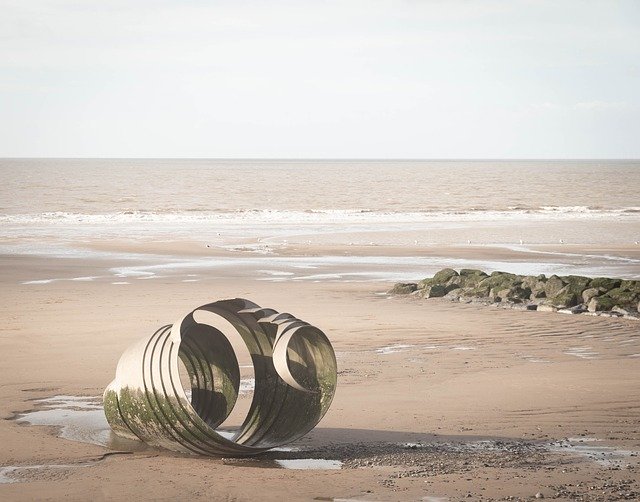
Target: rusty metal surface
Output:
{"points": [[295, 380]]}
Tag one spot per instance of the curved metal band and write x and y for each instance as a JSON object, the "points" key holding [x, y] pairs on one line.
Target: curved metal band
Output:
{"points": [[295, 381]]}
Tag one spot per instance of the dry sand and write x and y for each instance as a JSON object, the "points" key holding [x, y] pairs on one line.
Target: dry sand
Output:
{"points": [[435, 400]]}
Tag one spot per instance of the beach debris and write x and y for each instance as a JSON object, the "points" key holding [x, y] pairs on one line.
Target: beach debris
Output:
{"points": [[570, 294], [295, 380]]}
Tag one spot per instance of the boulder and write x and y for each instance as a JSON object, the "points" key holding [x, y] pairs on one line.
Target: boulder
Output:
{"points": [[435, 291], [576, 283], [589, 293], [451, 286], [515, 294], [605, 283], [453, 295], [600, 303], [538, 291], [631, 286], [529, 281], [624, 298], [444, 275], [403, 288], [501, 296], [546, 308], [441, 277], [563, 298], [464, 272], [470, 277], [477, 291], [553, 286], [500, 281]]}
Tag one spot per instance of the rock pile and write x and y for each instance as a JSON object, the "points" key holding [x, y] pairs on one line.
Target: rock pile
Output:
{"points": [[568, 293]]}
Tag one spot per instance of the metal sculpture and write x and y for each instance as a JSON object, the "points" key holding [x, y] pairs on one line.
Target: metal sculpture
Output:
{"points": [[295, 380]]}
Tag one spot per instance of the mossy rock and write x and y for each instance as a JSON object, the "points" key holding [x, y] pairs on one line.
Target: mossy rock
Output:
{"points": [[530, 281], [601, 303], [590, 293], [500, 281], [624, 298], [441, 277], [630, 285], [553, 286], [403, 288], [515, 294], [464, 272], [477, 292], [605, 283], [577, 283], [538, 290], [564, 298], [444, 275], [425, 283], [470, 277], [451, 287], [435, 291]]}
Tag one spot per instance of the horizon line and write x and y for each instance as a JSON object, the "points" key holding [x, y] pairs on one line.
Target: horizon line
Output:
{"points": [[343, 159]]}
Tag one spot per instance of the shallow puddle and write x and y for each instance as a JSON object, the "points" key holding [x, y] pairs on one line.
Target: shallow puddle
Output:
{"points": [[79, 418], [309, 463], [321, 464], [20, 473]]}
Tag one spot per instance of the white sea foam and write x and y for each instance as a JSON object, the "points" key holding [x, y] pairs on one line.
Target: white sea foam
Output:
{"points": [[321, 216]]}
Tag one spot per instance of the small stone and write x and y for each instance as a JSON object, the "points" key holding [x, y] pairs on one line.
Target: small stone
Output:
{"points": [[539, 495]]}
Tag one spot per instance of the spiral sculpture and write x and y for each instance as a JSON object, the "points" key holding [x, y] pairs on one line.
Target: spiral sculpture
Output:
{"points": [[295, 380]]}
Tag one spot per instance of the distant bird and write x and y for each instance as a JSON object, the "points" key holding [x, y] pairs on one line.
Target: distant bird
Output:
{"points": [[521, 242], [636, 243], [415, 242], [469, 241], [218, 233], [561, 241], [208, 246]]}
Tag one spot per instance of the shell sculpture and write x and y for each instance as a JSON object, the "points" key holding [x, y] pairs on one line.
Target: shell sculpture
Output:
{"points": [[295, 380]]}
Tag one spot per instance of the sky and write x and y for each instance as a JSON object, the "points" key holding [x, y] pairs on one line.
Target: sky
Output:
{"points": [[320, 79]]}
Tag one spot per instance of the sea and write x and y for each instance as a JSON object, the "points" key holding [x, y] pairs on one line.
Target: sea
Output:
{"points": [[57, 206]]}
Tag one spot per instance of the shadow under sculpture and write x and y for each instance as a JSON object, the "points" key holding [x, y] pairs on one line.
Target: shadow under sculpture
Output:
{"points": [[295, 380]]}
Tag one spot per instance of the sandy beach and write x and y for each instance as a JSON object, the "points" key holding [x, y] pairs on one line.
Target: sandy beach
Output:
{"points": [[435, 400], [414, 227]]}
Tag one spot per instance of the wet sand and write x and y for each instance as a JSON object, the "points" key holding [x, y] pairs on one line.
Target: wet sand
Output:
{"points": [[435, 400]]}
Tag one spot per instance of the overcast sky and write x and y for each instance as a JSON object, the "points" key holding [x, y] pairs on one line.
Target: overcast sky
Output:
{"points": [[320, 79]]}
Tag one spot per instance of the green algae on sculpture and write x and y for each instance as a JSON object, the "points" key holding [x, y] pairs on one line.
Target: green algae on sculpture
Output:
{"points": [[295, 380]]}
